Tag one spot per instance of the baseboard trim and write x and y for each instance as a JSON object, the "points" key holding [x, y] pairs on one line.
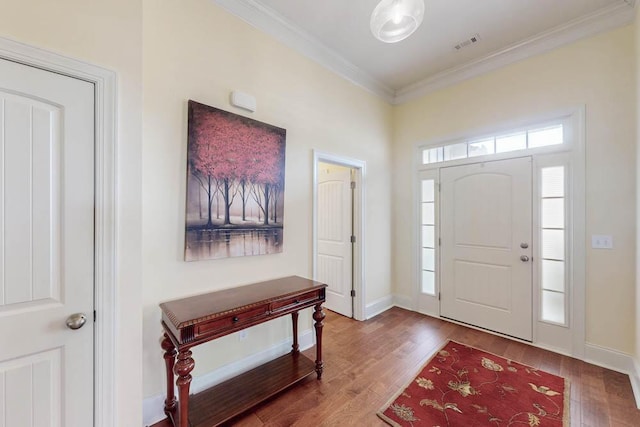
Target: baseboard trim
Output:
{"points": [[616, 361], [153, 410], [608, 358], [153, 407], [402, 301], [378, 306], [634, 377]]}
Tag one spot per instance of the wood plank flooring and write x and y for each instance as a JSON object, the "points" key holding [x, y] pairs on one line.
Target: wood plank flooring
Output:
{"points": [[367, 362]]}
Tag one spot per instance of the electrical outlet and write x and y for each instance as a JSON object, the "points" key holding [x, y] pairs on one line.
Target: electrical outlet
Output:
{"points": [[242, 335], [599, 241]]}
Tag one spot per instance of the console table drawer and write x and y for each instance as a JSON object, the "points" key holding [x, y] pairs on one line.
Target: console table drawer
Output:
{"points": [[231, 321], [292, 302]]}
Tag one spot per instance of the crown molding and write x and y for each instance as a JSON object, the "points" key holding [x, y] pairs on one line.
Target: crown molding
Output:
{"points": [[602, 20], [265, 19]]}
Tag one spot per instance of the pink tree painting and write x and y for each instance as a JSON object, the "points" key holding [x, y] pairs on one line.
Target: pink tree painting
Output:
{"points": [[235, 185]]}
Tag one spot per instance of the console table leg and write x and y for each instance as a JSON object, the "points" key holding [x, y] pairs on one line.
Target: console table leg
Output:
{"points": [[170, 402], [318, 316], [183, 368], [295, 347]]}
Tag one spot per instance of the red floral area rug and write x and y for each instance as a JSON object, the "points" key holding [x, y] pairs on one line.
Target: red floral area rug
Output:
{"points": [[462, 386]]}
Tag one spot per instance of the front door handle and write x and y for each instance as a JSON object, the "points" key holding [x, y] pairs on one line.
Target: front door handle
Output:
{"points": [[524, 258], [76, 321]]}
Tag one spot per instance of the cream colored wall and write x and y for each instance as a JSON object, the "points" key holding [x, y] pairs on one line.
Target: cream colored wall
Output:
{"points": [[107, 34], [596, 72], [195, 50]]}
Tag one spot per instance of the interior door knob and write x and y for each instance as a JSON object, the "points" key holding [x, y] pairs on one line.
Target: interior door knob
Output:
{"points": [[76, 321], [524, 258]]}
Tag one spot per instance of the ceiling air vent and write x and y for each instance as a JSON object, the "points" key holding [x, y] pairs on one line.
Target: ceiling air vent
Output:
{"points": [[471, 40]]}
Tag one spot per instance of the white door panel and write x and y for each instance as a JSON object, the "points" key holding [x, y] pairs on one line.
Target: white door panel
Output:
{"points": [[33, 390], [29, 178], [331, 270], [334, 260], [485, 218], [491, 284], [46, 247], [487, 222]]}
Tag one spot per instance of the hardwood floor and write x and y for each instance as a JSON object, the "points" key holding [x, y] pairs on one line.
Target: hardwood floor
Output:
{"points": [[367, 362]]}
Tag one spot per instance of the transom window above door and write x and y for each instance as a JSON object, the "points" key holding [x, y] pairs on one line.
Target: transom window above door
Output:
{"points": [[523, 139]]}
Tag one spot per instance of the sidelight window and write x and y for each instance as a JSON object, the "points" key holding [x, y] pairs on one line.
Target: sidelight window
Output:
{"points": [[428, 236], [553, 248]]}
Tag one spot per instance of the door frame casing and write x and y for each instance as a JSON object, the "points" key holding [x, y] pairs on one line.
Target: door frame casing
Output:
{"points": [[106, 197], [359, 312]]}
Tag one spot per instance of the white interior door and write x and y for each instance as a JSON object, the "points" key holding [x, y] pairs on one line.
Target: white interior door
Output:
{"points": [[46, 247], [334, 263], [485, 217]]}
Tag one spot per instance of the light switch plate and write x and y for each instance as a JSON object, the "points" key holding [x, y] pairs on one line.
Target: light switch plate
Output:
{"points": [[600, 241]]}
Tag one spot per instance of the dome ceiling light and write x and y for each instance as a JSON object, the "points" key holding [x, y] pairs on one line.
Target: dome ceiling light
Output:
{"points": [[395, 20]]}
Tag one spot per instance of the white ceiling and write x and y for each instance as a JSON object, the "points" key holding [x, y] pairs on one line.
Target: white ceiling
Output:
{"points": [[336, 33]]}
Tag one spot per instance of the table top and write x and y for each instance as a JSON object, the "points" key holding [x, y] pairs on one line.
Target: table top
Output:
{"points": [[198, 308]]}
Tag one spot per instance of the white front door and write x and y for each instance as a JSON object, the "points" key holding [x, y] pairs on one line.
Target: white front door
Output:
{"points": [[485, 217], [46, 247], [334, 263]]}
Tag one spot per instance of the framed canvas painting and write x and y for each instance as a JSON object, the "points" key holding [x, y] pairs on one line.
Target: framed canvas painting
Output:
{"points": [[235, 185]]}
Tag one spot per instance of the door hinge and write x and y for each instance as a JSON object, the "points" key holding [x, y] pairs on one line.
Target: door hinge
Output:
{"points": [[94, 315], [439, 241], [353, 239], [438, 296], [353, 293], [438, 187], [353, 185]]}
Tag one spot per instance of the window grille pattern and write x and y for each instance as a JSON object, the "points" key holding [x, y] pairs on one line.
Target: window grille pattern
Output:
{"points": [[428, 240], [504, 143], [553, 248]]}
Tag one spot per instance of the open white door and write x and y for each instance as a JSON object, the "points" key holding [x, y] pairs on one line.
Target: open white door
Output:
{"points": [[335, 221], [46, 248], [485, 217]]}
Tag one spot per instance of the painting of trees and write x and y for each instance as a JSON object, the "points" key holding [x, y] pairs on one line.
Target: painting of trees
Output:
{"points": [[236, 165]]}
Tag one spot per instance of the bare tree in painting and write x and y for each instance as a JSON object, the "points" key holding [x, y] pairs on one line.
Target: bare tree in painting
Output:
{"points": [[244, 191], [264, 170], [276, 189], [203, 170]]}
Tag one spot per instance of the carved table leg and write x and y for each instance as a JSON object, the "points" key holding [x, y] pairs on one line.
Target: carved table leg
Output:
{"points": [[318, 316], [170, 402], [183, 368], [295, 346]]}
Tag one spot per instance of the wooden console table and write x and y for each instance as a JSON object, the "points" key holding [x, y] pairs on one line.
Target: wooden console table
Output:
{"points": [[195, 320]]}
